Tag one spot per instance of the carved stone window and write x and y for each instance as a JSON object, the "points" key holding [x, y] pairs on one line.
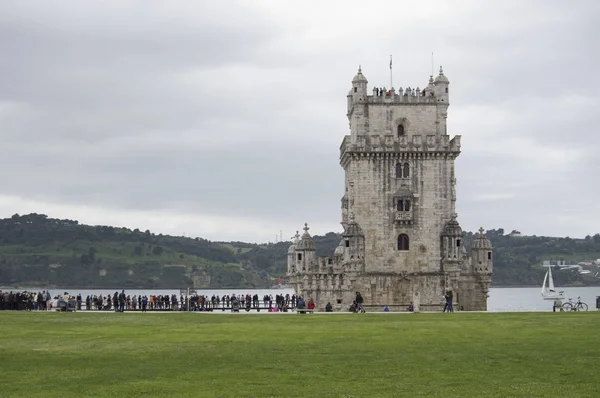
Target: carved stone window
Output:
{"points": [[402, 170], [489, 255], [299, 256], [400, 130], [403, 205], [403, 242]]}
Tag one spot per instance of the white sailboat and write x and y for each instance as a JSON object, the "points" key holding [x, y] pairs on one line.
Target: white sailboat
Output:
{"points": [[549, 292]]}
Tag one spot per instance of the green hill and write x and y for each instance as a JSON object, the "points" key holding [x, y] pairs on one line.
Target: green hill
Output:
{"points": [[38, 251]]}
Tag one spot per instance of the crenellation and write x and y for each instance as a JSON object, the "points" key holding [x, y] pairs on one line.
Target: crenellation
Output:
{"points": [[401, 239]]}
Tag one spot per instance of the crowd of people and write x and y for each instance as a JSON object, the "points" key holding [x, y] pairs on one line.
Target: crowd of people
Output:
{"points": [[120, 302], [244, 301]]}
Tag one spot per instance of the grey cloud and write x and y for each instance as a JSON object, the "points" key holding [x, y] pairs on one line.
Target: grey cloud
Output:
{"points": [[233, 110]]}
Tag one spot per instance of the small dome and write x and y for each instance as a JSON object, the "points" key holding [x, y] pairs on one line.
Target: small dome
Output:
{"points": [[306, 242], [292, 249], [359, 78], [441, 77], [452, 228], [481, 242], [352, 228]]}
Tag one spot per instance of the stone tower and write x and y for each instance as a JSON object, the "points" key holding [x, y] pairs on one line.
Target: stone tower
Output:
{"points": [[402, 242]]}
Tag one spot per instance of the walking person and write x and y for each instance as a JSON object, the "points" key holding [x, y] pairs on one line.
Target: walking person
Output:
{"points": [[359, 303], [448, 305]]}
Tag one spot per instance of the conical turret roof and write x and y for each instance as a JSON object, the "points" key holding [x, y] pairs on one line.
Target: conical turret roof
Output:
{"points": [[306, 242], [481, 242]]}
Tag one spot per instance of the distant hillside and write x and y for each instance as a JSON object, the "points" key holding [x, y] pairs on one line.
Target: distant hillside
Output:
{"points": [[44, 252], [39, 251]]}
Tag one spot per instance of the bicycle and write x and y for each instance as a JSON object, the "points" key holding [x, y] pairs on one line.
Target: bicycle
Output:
{"points": [[575, 305]]}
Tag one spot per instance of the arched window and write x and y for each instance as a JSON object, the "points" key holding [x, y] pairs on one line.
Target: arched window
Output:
{"points": [[402, 170], [403, 205], [403, 242], [406, 170], [400, 130], [398, 170]]}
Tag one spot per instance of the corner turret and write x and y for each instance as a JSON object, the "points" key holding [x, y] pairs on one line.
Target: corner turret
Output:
{"points": [[357, 105], [291, 256], [441, 84], [305, 251], [452, 247], [354, 242], [359, 86], [481, 255]]}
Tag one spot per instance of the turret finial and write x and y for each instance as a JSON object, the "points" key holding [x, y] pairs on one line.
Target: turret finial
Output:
{"points": [[306, 227], [359, 69], [441, 70], [481, 230]]}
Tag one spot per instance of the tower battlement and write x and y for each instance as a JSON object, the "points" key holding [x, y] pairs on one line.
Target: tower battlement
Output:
{"points": [[435, 93]]}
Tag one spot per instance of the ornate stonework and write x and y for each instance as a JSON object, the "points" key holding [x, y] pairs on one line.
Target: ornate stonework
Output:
{"points": [[402, 242]]}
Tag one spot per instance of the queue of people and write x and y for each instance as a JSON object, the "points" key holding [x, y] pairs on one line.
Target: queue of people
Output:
{"points": [[121, 302], [243, 301]]}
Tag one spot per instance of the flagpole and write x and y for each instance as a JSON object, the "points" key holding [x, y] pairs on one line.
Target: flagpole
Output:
{"points": [[391, 83]]}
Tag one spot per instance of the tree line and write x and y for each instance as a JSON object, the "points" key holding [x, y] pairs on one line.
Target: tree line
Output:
{"points": [[37, 250]]}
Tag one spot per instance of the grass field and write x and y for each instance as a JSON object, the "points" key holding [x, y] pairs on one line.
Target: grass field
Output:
{"points": [[289, 355]]}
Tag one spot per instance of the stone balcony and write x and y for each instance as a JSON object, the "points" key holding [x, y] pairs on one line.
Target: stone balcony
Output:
{"points": [[389, 143], [403, 217]]}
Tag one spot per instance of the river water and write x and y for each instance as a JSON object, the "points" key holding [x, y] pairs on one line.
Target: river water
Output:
{"points": [[502, 299]]}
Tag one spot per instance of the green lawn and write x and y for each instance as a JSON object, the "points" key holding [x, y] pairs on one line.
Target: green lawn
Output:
{"points": [[289, 355]]}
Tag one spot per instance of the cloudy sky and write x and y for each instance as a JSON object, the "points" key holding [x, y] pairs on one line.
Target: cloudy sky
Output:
{"points": [[223, 119]]}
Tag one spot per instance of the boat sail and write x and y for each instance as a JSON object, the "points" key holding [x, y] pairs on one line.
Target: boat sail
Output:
{"points": [[549, 292]]}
